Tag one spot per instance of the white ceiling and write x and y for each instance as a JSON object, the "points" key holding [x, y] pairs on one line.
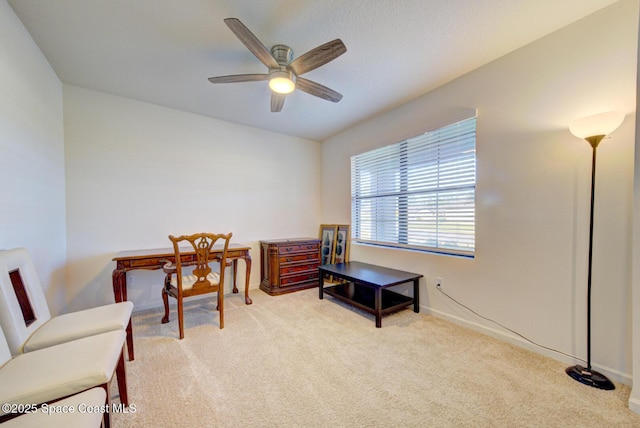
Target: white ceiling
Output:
{"points": [[163, 51]]}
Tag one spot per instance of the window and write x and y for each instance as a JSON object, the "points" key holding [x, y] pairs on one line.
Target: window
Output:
{"points": [[419, 193]]}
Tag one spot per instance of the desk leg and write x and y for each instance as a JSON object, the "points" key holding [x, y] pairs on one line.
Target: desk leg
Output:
{"points": [[247, 261], [234, 266], [378, 307], [116, 278], [320, 284], [119, 280], [416, 296]]}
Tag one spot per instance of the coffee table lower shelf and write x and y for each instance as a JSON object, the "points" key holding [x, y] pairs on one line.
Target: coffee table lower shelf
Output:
{"points": [[364, 298]]}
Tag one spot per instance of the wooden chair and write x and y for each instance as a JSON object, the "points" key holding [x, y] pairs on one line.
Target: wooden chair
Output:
{"points": [[25, 316], [180, 284], [50, 374], [28, 326]]}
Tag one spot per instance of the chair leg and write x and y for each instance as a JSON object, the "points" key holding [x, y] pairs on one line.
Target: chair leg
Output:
{"points": [[106, 419], [165, 300], [121, 375], [130, 340], [221, 308], [180, 318]]}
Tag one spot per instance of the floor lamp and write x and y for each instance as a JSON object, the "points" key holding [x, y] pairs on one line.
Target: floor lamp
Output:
{"points": [[593, 129]]}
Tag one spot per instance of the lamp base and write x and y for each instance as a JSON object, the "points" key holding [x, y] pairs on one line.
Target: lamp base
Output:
{"points": [[590, 377]]}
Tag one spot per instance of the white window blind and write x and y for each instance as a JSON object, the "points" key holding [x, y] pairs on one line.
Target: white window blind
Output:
{"points": [[419, 193]]}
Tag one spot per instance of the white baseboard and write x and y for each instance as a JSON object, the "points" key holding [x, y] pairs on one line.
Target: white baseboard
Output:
{"points": [[148, 305], [615, 375], [634, 403]]}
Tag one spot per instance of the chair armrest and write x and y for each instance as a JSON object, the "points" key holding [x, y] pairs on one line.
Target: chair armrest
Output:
{"points": [[169, 268]]}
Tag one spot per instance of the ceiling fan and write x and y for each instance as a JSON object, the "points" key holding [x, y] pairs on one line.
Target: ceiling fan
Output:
{"points": [[284, 72]]}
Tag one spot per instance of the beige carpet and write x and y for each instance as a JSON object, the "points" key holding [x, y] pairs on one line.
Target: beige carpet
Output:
{"points": [[297, 361]]}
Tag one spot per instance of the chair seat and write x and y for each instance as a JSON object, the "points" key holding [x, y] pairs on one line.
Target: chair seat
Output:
{"points": [[61, 370], [189, 280], [77, 325], [93, 399]]}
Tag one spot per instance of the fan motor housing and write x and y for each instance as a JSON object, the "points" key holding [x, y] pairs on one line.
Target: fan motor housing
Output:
{"points": [[282, 54]]}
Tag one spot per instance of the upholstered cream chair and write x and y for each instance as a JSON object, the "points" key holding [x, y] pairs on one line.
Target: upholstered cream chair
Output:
{"points": [[25, 316], [49, 374], [92, 399], [209, 249]]}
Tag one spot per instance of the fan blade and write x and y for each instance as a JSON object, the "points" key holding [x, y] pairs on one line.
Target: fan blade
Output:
{"points": [[317, 90], [239, 78], [251, 42], [277, 101], [318, 56]]}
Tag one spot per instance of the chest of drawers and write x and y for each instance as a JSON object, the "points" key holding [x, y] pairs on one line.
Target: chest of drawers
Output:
{"points": [[288, 265]]}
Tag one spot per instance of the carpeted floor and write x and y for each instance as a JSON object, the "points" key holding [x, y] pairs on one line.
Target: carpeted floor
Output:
{"points": [[297, 361]]}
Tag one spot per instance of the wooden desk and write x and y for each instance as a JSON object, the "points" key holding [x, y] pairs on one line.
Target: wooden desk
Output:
{"points": [[156, 258], [365, 287]]}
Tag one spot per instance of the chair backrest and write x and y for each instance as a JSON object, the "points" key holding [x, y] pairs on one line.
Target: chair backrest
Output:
{"points": [[5, 352], [203, 245], [23, 305]]}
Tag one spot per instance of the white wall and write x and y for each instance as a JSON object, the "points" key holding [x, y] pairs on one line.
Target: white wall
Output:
{"points": [[32, 208], [634, 398], [533, 177], [138, 172]]}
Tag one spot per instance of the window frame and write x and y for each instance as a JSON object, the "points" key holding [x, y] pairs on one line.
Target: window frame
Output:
{"points": [[459, 167]]}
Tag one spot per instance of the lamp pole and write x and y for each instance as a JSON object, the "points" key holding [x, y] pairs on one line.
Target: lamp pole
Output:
{"points": [[593, 129], [594, 145], [587, 375]]}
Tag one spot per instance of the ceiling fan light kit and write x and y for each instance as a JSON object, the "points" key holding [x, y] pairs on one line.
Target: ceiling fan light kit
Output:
{"points": [[284, 72], [282, 81]]}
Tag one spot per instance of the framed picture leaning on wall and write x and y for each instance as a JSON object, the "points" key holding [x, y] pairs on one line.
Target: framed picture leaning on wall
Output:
{"points": [[341, 248], [327, 246]]}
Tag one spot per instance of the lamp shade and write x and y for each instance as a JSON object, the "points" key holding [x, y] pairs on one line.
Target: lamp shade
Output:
{"points": [[282, 82], [597, 124]]}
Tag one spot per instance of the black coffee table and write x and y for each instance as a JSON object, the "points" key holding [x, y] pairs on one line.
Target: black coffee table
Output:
{"points": [[365, 287]]}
